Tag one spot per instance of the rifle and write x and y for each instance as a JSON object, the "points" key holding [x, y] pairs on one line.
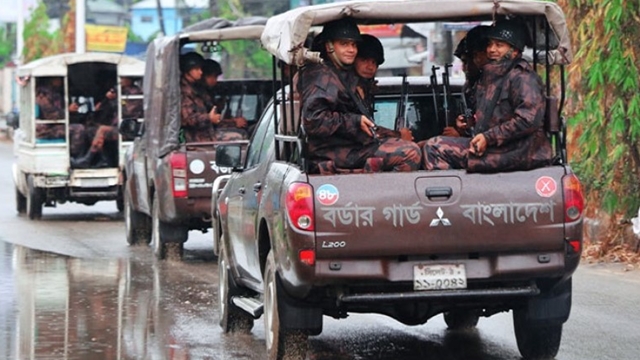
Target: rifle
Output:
{"points": [[239, 105], [401, 118], [466, 112], [434, 91], [446, 89]]}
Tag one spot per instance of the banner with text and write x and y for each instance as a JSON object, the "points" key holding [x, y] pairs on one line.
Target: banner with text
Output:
{"points": [[106, 38]]}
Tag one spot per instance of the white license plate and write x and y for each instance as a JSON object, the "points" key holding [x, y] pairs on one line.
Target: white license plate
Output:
{"points": [[439, 277], [96, 182]]}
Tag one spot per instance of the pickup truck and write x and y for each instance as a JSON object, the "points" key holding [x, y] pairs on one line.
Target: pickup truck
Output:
{"points": [[167, 182], [295, 245]]}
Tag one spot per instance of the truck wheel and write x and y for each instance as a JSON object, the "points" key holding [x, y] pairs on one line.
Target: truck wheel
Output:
{"points": [[232, 319], [137, 225], [34, 200], [535, 341], [461, 319], [167, 240], [281, 343], [21, 202]]}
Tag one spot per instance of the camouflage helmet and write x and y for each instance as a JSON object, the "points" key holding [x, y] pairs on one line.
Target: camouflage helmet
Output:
{"points": [[371, 48], [510, 32], [211, 67], [190, 60], [345, 28]]}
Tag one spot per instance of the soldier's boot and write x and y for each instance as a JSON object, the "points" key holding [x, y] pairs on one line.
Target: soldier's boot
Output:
{"points": [[103, 160], [84, 161]]}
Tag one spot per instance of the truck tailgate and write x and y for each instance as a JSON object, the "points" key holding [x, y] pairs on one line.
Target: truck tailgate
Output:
{"points": [[441, 212]]}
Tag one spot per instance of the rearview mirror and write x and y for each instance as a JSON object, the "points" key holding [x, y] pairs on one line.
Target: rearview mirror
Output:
{"points": [[130, 128], [13, 119], [229, 156]]}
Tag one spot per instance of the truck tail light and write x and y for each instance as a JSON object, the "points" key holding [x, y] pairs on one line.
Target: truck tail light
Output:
{"points": [[573, 198], [178, 162], [299, 204]]}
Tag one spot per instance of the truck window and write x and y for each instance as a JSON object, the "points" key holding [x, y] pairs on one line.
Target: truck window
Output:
{"points": [[255, 148]]}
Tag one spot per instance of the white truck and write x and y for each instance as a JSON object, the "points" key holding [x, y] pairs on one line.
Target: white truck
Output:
{"points": [[42, 170]]}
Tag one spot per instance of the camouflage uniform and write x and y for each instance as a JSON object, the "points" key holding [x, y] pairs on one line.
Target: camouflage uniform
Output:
{"points": [[51, 106], [226, 129], [331, 121], [132, 108], [196, 125], [514, 130]]}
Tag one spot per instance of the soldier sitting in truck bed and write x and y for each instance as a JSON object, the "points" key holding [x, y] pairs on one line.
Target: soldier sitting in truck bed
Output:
{"points": [[230, 127], [337, 130], [197, 122]]}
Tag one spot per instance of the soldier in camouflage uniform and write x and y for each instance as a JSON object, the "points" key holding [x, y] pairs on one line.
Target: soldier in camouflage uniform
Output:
{"points": [[105, 124], [198, 123], [229, 128], [50, 101], [370, 57], [509, 114], [472, 51], [338, 131]]}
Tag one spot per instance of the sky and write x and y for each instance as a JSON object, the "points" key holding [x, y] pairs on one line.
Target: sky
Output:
{"points": [[12, 15]]}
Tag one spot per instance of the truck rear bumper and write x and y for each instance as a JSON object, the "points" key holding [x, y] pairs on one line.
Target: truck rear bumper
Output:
{"points": [[442, 295]]}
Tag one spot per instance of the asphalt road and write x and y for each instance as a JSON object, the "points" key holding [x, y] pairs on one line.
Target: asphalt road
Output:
{"points": [[71, 288]]}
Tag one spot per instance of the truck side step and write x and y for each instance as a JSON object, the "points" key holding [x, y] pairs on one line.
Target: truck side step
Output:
{"points": [[251, 305]]}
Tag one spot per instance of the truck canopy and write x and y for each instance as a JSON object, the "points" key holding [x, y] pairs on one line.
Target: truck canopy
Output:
{"points": [[285, 34], [57, 65], [162, 89]]}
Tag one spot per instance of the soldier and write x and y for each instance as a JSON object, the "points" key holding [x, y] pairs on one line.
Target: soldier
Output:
{"points": [[472, 51], [510, 134], [197, 123], [230, 127], [370, 57], [103, 127], [338, 132], [131, 108], [50, 105]]}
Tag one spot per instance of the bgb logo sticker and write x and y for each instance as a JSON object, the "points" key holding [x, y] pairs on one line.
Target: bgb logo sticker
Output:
{"points": [[546, 186], [327, 194]]}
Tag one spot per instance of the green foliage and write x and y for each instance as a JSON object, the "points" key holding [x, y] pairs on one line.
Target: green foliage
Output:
{"points": [[604, 80], [38, 41], [6, 46]]}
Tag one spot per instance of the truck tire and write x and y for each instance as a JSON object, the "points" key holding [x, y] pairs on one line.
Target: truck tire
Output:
{"points": [[137, 225], [168, 240], [536, 342], [461, 319], [281, 343], [34, 200], [232, 319], [21, 202]]}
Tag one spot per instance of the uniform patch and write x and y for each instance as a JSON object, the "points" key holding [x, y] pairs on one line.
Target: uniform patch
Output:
{"points": [[327, 194], [546, 186]]}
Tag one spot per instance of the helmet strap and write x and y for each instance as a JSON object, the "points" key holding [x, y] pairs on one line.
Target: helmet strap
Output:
{"points": [[332, 54]]}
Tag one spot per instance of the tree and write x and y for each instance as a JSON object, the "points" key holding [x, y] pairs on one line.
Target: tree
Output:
{"points": [[605, 103], [7, 39], [38, 41]]}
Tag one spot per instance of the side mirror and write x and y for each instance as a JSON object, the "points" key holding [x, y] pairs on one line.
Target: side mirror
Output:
{"points": [[13, 119], [130, 128], [229, 156]]}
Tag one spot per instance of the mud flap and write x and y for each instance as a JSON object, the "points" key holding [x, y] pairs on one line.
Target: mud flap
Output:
{"points": [[173, 233], [295, 317], [552, 308]]}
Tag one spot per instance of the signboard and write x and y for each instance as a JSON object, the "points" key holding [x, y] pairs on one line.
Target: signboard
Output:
{"points": [[106, 38], [381, 31]]}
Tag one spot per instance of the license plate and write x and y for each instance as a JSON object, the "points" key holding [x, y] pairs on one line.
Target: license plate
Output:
{"points": [[439, 277], [96, 182]]}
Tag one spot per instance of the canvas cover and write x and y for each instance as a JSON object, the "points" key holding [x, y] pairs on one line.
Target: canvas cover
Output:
{"points": [[285, 33], [162, 77], [56, 65]]}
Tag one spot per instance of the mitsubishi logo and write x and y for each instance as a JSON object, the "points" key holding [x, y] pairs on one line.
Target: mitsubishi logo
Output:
{"points": [[440, 219]]}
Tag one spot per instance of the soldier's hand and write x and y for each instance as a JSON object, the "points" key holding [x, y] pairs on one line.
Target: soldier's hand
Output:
{"points": [[241, 122], [214, 117], [405, 134], [461, 122], [478, 145], [450, 131], [366, 125], [73, 107]]}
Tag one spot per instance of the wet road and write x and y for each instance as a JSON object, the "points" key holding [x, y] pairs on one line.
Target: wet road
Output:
{"points": [[71, 288]]}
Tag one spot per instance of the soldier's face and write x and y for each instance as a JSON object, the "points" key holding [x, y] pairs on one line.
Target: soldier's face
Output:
{"points": [[366, 68], [194, 74], [345, 50], [211, 80], [498, 49]]}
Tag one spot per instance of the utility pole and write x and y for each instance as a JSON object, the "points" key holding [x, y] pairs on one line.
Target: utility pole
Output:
{"points": [[81, 16], [20, 30], [160, 19]]}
